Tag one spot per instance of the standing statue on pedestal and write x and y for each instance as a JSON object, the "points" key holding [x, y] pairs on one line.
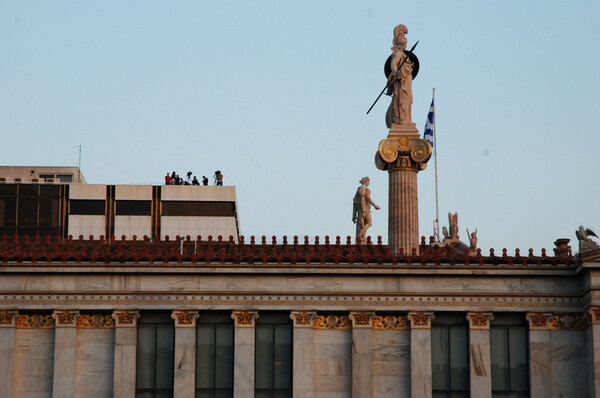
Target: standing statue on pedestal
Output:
{"points": [[361, 210], [402, 66]]}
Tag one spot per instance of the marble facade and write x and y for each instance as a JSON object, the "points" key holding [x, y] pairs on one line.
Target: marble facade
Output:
{"points": [[358, 330]]}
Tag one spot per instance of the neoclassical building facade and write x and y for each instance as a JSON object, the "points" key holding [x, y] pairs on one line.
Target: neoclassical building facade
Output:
{"points": [[292, 318]]}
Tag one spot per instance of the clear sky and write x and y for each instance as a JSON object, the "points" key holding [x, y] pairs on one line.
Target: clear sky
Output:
{"points": [[274, 94]]}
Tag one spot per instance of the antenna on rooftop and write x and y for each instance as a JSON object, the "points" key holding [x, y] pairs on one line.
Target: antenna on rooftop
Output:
{"points": [[79, 165]]}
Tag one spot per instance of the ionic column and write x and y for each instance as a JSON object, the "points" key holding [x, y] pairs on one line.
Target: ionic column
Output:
{"points": [[540, 361], [243, 364], [420, 354], [479, 351], [184, 383], [7, 351], [65, 343], [362, 354], [125, 353], [303, 353], [403, 154], [595, 316]]}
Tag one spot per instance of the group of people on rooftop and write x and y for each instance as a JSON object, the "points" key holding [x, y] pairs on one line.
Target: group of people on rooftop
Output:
{"points": [[174, 179]]}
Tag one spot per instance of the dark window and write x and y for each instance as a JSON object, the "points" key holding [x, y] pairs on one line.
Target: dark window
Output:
{"points": [[155, 355], [450, 356], [134, 208], [214, 355], [48, 215], [28, 212], [28, 190], [8, 212], [50, 190], [195, 209], [87, 207], [273, 359], [509, 358], [8, 190]]}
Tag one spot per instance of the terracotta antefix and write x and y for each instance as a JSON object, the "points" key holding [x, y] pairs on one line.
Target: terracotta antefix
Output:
{"points": [[361, 210]]}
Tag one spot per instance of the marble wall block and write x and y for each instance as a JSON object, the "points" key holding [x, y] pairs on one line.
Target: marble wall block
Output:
{"points": [[7, 359], [125, 362], [65, 340], [362, 363], [185, 362], [303, 362], [480, 363], [595, 341], [391, 363], [95, 351], [243, 365], [540, 363], [333, 363], [34, 363], [569, 371]]}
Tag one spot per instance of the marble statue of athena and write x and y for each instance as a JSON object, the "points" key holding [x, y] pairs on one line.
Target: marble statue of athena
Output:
{"points": [[399, 111]]}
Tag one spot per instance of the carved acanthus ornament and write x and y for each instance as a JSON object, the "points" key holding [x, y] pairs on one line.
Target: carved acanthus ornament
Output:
{"points": [[538, 320], [479, 320], [66, 319], [244, 319], [8, 317], [569, 322], [420, 320], [185, 319], [595, 315], [303, 319], [96, 321], [362, 319], [36, 321], [391, 322], [341, 322], [125, 318]]}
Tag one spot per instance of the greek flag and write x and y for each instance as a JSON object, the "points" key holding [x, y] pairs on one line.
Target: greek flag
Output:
{"points": [[428, 133]]}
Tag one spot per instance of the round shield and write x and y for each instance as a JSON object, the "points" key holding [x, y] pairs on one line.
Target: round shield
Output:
{"points": [[387, 68]]}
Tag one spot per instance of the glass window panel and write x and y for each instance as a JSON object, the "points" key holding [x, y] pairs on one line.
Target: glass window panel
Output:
{"points": [[28, 212], [65, 178], [144, 395], [224, 394], [164, 355], [49, 190], [87, 207], [517, 337], [8, 190], [204, 394], [499, 358], [264, 357], [440, 395], [224, 357], [28, 190], [263, 394], [133, 207], [283, 394], [205, 351], [8, 212], [145, 356], [459, 358], [439, 357], [283, 356], [48, 212]]}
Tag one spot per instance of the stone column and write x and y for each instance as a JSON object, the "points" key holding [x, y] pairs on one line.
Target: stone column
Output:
{"points": [[125, 353], [65, 341], [540, 361], [479, 351], [7, 351], [184, 384], [420, 354], [362, 354], [595, 340], [243, 365], [303, 353], [403, 154]]}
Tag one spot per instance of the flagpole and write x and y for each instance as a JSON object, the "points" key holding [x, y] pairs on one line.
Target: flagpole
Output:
{"points": [[436, 231]]}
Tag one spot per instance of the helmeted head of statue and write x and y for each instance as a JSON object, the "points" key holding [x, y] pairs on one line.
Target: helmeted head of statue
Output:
{"points": [[364, 181], [400, 32]]}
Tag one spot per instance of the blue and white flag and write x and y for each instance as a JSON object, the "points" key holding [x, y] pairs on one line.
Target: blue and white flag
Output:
{"points": [[428, 133]]}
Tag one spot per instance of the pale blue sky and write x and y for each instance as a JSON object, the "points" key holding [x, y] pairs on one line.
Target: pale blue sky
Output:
{"points": [[274, 94]]}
